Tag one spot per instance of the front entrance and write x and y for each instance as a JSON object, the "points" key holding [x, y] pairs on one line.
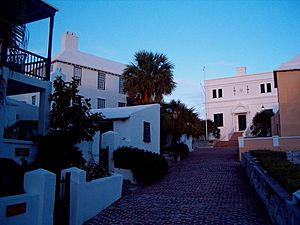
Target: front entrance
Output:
{"points": [[242, 122]]}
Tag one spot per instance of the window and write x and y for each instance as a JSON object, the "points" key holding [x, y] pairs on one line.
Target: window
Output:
{"points": [[100, 103], [33, 99], [262, 88], [147, 134], [121, 104], [77, 73], [121, 85], [269, 89], [218, 119], [101, 80], [214, 93], [220, 93]]}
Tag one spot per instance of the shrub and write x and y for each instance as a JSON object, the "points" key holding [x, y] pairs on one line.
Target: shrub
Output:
{"points": [[147, 166], [278, 166], [181, 150], [94, 170], [11, 178], [21, 130], [56, 151]]}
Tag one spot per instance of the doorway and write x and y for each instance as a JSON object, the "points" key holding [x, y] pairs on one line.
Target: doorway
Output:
{"points": [[242, 122]]}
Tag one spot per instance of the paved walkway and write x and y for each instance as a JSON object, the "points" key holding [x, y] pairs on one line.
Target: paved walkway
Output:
{"points": [[209, 187]]}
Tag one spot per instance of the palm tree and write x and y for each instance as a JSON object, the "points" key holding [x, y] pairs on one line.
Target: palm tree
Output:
{"points": [[148, 78]]}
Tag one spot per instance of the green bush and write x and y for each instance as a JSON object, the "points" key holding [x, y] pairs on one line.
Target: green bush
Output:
{"points": [[278, 166], [147, 166], [181, 150]]}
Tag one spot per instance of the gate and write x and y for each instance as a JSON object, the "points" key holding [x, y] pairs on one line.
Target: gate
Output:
{"points": [[62, 200], [103, 158]]}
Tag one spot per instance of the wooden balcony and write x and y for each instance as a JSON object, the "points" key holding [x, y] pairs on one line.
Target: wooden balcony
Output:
{"points": [[26, 62]]}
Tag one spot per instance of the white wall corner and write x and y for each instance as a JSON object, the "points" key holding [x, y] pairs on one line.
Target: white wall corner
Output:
{"points": [[275, 141], [241, 142]]}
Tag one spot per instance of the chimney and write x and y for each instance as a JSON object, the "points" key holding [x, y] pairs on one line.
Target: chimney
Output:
{"points": [[241, 71], [69, 41]]}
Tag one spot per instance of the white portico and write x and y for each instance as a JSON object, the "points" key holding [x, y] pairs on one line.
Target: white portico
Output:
{"points": [[232, 102]]}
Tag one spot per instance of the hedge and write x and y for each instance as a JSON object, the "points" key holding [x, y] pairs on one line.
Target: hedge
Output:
{"points": [[147, 166], [280, 168]]}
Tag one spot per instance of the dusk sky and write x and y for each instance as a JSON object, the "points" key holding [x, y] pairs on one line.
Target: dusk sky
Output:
{"points": [[219, 35]]}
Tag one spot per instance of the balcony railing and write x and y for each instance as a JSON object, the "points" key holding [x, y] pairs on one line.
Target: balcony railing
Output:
{"points": [[26, 62]]}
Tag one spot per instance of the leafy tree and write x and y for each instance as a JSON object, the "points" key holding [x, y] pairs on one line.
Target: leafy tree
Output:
{"points": [[148, 78], [261, 123], [212, 128], [187, 122], [70, 123], [70, 112]]}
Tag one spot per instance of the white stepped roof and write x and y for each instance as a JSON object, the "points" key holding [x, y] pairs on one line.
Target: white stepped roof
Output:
{"points": [[121, 112], [88, 60], [293, 64]]}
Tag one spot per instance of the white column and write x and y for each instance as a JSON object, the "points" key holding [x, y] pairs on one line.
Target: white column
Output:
{"points": [[44, 109], [241, 142], [275, 141]]}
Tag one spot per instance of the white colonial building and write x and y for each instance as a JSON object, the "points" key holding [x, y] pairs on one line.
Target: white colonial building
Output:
{"points": [[100, 79], [232, 102]]}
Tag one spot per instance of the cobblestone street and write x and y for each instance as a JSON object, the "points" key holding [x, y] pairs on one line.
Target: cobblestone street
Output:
{"points": [[209, 187]]}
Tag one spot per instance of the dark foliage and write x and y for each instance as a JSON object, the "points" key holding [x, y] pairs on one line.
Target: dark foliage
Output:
{"points": [[56, 151], [261, 123], [282, 170], [187, 123], [11, 178], [70, 112], [95, 170], [181, 150], [21, 130], [147, 166]]}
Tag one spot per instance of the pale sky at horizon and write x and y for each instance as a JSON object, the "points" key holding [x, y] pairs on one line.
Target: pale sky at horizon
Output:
{"points": [[219, 35]]}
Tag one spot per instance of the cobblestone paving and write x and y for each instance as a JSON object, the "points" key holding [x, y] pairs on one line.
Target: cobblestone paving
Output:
{"points": [[209, 187]]}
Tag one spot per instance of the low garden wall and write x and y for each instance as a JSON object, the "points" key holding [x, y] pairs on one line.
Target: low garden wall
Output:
{"points": [[283, 208], [18, 150], [275, 143], [36, 206], [89, 198]]}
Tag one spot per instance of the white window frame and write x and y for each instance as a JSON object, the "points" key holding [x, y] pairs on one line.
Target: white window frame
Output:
{"points": [[101, 80], [100, 103]]}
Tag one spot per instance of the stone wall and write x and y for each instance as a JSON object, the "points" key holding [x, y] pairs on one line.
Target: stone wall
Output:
{"points": [[283, 208]]}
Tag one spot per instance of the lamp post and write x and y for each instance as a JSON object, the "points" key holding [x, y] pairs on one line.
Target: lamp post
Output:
{"points": [[175, 116]]}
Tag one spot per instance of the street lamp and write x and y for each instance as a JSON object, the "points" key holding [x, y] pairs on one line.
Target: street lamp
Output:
{"points": [[175, 115]]}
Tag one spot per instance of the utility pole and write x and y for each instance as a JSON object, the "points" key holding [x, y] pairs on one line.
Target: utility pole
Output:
{"points": [[204, 91]]}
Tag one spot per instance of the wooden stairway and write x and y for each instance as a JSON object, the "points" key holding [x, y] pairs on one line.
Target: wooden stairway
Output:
{"points": [[233, 142]]}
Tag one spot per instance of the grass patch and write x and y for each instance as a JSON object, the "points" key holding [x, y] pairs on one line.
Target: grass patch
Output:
{"points": [[278, 166]]}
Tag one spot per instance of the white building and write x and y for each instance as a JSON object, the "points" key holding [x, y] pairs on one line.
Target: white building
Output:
{"points": [[138, 126], [232, 102], [100, 79], [24, 72]]}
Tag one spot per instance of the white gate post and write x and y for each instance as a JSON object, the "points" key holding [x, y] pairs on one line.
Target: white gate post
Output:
{"points": [[111, 140], [42, 182]]}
